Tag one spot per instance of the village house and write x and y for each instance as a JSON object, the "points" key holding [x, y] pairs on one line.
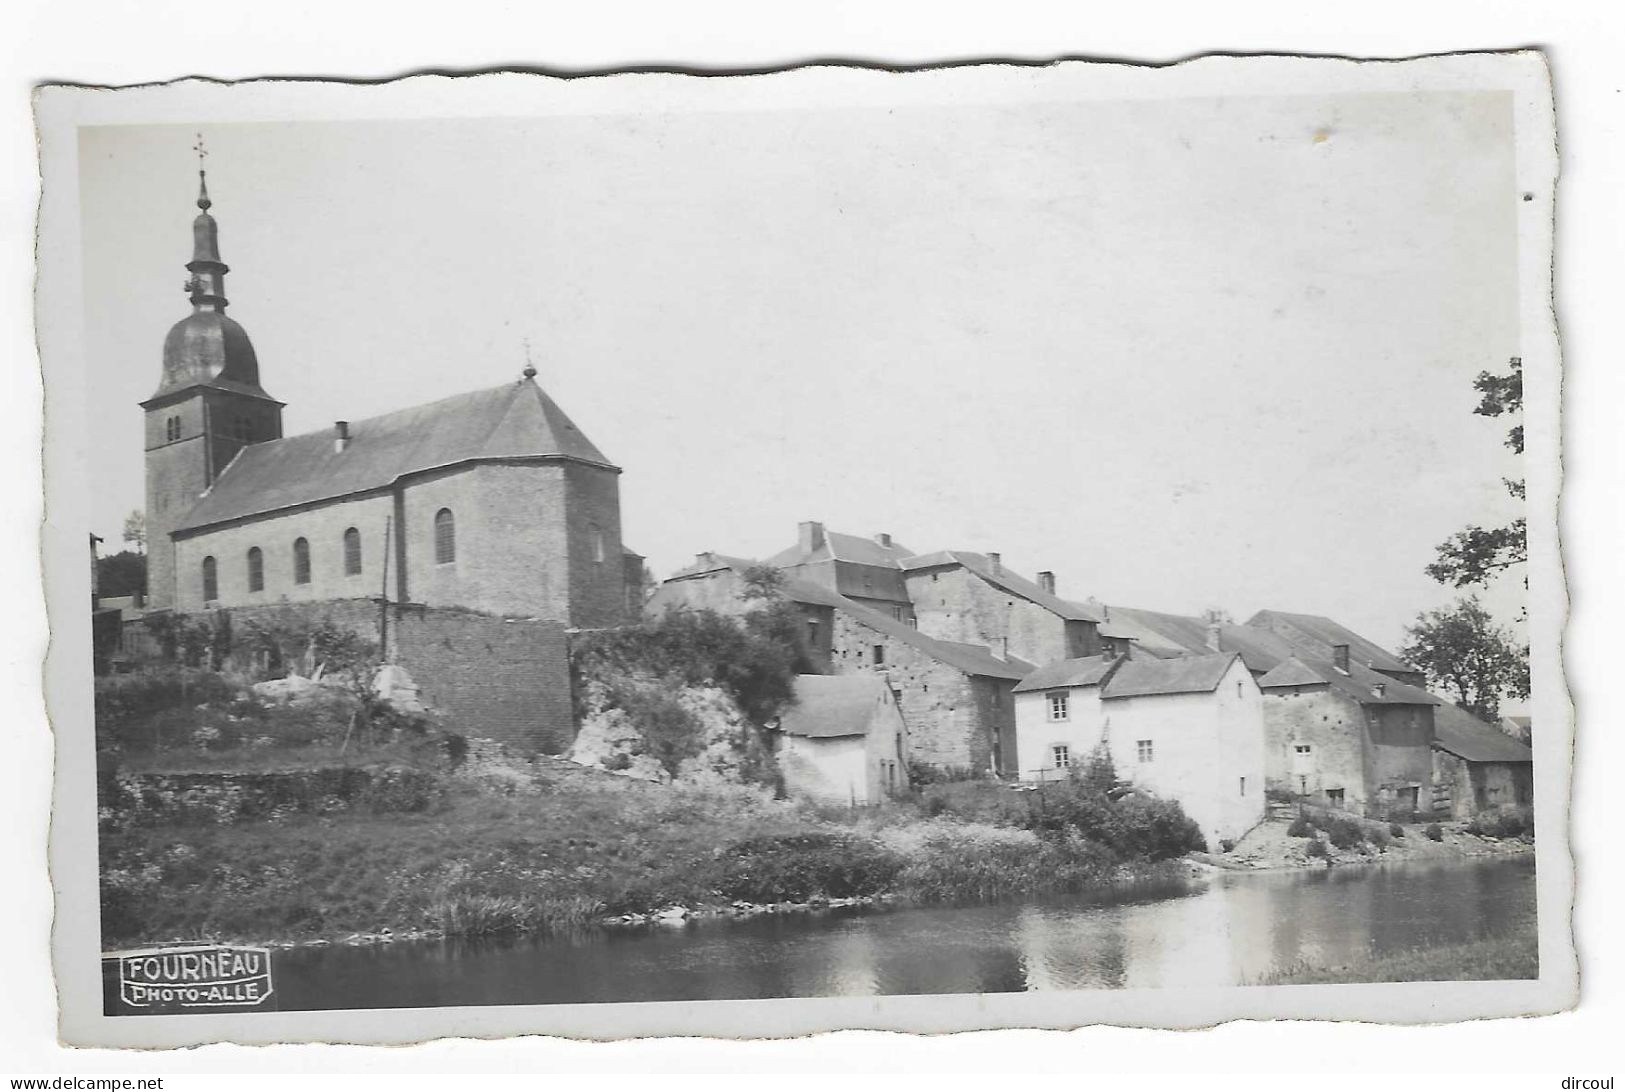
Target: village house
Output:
{"points": [[1321, 636], [1476, 766], [975, 598], [866, 571], [841, 742], [1346, 722], [955, 697], [1186, 728]]}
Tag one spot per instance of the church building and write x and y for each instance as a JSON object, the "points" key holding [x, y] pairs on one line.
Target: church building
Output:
{"points": [[490, 501]]}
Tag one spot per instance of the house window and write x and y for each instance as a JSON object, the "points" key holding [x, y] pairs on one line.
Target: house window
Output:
{"points": [[172, 428], [1061, 754], [597, 545], [352, 552], [1057, 705], [1238, 688], [256, 569], [1334, 797], [1143, 750], [913, 622], [880, 654], [445, 537], [1244, 786], [301, 561], [211, 586], [1303, 785], [1301, 748]]}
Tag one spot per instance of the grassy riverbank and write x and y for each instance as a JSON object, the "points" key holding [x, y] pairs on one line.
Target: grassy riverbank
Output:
{"points": [[1496, 959], [498, 844]]}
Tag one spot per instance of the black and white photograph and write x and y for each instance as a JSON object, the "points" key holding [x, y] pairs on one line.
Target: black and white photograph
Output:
{"points": [[980, 547]]}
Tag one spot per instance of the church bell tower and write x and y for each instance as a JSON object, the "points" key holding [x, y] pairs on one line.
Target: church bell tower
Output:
{"points": [[208, 406]]}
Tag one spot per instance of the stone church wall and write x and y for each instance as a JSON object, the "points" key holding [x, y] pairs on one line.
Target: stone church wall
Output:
{"points": [[501, 679], [323, 526]]}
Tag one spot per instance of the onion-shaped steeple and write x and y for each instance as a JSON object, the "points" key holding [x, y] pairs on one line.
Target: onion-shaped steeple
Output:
{"points": [[206, 348]]}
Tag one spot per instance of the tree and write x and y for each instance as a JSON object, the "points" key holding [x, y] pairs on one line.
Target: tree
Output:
{"points": [[1467, 655], [1474, 555], [135, 531], [123, 573]]}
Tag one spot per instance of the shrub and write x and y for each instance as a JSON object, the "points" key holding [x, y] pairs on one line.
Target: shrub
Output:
{"points": [[795, 867], [1504, 823], [980, 801], [1395, 830], [1380, 838], [1435, 832], [1301, 827], [1316, 848], [1226, 845], [400, 789], [1136, 826], [1344, 833]]}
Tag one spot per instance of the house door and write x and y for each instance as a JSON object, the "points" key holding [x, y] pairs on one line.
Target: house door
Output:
{"points": [[1334, 797], [1408, 800]]}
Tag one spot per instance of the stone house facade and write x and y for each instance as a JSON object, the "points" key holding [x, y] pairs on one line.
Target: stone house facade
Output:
{"points": [[1348, 737], [975, 599], [955, 698], [1476, 766]]}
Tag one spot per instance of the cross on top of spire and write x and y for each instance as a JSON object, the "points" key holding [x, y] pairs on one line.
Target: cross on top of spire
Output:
{"points": [[202, 151], [530, 368]]}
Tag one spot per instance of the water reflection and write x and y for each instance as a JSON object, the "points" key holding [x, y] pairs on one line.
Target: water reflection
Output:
{"points": [[1225, 931]]}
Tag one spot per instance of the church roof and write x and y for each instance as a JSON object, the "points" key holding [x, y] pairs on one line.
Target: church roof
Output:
{"points": [[513, 421]]}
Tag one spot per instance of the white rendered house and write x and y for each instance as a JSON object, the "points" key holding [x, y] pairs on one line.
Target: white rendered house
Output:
{"points": [[1189, 729]]}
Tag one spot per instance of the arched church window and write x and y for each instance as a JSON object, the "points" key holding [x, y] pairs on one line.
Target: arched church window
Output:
{"points": [[597, 543], [256, 569], [211, 586], [352, 552], [301, 561], [445, 537]]}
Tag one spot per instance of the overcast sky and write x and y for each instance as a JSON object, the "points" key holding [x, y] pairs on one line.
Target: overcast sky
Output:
{"points": [[1185, 353]]}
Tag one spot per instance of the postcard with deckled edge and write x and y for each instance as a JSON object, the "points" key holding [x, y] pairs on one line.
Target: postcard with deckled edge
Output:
{"points": [[665, 554]]}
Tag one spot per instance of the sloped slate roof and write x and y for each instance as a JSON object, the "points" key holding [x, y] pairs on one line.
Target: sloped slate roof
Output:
{"points": [[971, 659], [1327, 633], [1361, 683], [1292, 672], [1083, 671], [1162, 634], [515, 420], [1459, 732], [713, 562], [838, 546], [831, 706], [1002, 577], [1183, 675]]}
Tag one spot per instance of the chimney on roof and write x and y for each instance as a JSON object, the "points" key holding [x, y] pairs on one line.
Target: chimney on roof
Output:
{"points": [[811, 536], [705, 560], [1000, 647], [1046, 580], [1379, 689], [884, 539], [1340, 658], [341, 435], [1213, 636], [995, 561]]}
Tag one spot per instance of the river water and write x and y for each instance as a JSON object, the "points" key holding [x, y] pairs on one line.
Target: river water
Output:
{"points": [[1228, 929]]}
